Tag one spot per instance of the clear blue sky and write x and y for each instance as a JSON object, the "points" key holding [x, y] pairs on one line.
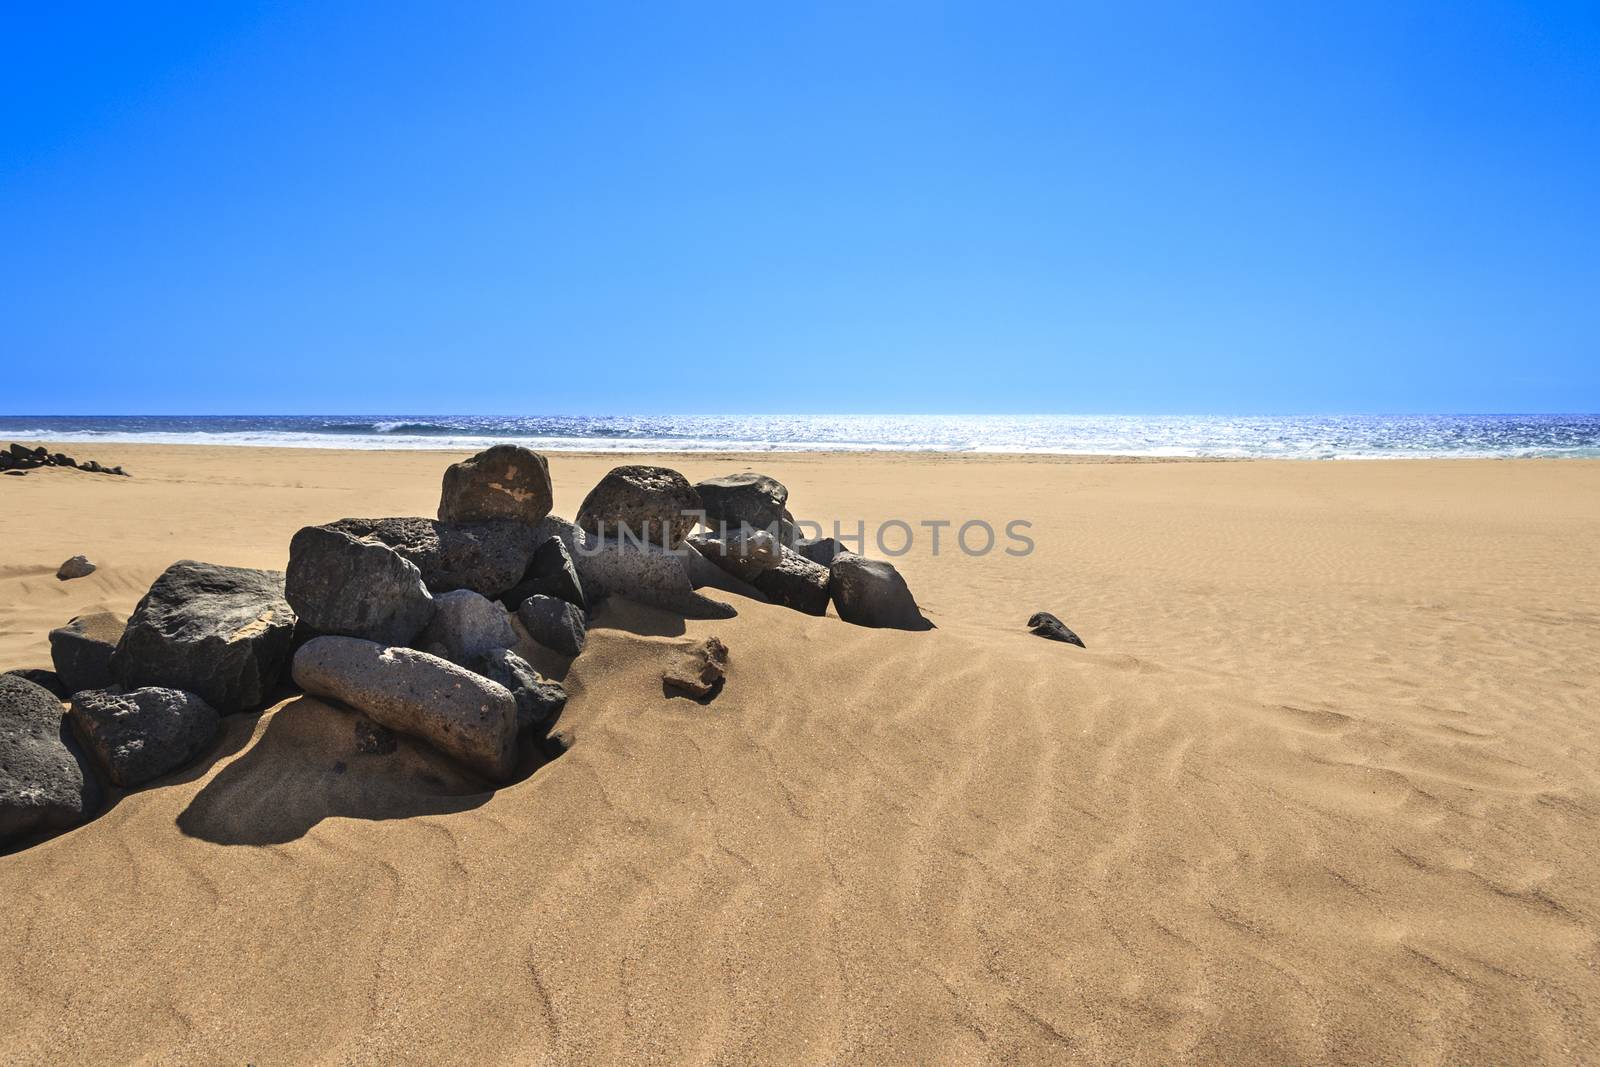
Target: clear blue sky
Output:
{"points": [[756, 207]]}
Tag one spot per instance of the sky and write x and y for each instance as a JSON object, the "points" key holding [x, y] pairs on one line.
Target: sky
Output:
{"points": [[661, 208]]}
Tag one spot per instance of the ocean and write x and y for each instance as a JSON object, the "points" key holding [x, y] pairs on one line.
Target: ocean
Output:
{"points": [[1276, 437]]}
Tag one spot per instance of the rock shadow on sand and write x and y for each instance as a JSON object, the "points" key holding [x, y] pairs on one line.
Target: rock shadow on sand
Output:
{"points": [[315, 761]]}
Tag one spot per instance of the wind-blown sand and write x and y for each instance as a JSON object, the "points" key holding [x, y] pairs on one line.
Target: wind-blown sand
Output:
{"points": [[1325, 787]]}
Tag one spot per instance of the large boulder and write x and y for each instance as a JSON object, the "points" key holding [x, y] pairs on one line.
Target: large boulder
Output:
{"points": [[870, 592], [539, 700], [551, 572], [485, 557], [45, 780], [795, 582], [654, 505], [554, 623], [457, 711], [144, 733], [746, 499], [645, 574], [356, 588], [465, 626], [503, 482], [221, 633], [82, 650]]}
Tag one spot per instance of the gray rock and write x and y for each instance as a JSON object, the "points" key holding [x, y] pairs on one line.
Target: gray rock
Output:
{"points": [[819, 550], [457, 711], [697, 669], [551, 572], [467, 625], [743, 554], [795, 582], [870, 592], [144, 733], [356, 588], [1047, 625], [82, 650], [76, 567], [555, 624], [485, 557], [645, 574], [503, 482], [44, 679], [221, 633], [539, 700], [45, 781], [746, 499], [654, 505]]}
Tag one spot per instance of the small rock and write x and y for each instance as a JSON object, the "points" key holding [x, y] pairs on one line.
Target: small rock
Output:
{"points": [[46, 783], [486, 557], [356, 588], [76, 567], [467, 625], [221, 633], [1047, 625], [796, 583], [503, 482], [144, 733], [539, 700], [653, 505], [551, 572], [453, 709], [697, 669], [82, 650], [870, 592], [554, 623], [44, 679]]}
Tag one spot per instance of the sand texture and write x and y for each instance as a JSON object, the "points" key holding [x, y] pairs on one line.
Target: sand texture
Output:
{"points": [[1324, 788]]}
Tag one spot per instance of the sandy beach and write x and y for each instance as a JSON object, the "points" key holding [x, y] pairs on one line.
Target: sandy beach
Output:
{"points": [[1323, 788]]}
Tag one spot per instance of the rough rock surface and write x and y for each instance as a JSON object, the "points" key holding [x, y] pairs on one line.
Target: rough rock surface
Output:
{"points": [[795, 582], [870, 592], [646, 574], [697, 669], [221, 633], [819, 550], [539, 700], [457, 711], [466, 625], [338, 584], [744, 553], [76, 567], [143, 733], [1047, 625], [45, 780], [554, 623], [82, 649], [551, 572], [503, 482], [485, 557], [655, 505], [44, 679], [746, 499]]}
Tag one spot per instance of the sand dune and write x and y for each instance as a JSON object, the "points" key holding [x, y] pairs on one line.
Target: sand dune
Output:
{"points": [[1325, 788]]}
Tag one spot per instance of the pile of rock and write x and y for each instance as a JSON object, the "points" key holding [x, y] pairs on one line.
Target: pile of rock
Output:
{"points": [[19, 459]]}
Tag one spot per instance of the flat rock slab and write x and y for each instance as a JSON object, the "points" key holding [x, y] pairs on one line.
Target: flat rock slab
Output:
{"points": [[871, 592], [339, 584], [142, 734], [503, 482], [457, 711], [82, 649], [221, 633], [697, 669], [46, 784], [486, 557]]}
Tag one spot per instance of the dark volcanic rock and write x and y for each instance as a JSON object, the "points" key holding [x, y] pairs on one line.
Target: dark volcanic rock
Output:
{"points": [[503, 482], [76, 567], [144, 733], [551, 572], [221, 633], [795, 582], [45, 780], [697, 669], [460, 713], [466, 625], [870, 592], [42, 678], [819, 550], [539, 700], [746, 499], [82, 650], [485, 557], [1047, 625], [356, 588], [655, 505], [554, 623]]}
